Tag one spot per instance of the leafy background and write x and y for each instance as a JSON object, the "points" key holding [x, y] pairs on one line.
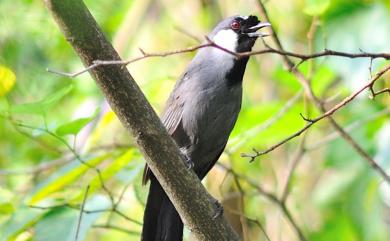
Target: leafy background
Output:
{"points": [[58, 135]]}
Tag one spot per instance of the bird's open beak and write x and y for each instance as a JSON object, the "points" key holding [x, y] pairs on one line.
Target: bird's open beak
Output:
{"points": [[252, 31]]}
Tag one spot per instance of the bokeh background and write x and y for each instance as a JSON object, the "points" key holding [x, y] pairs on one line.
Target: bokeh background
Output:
{"points": [[58, 135]]}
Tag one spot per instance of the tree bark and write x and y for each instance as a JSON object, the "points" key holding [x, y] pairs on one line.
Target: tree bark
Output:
{"points": [[136, 114]]}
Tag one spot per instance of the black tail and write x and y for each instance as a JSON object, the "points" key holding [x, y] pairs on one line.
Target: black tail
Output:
{"points": [[161, 220]]}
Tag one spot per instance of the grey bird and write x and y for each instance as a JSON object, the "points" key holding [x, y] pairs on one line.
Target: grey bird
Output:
{"points": [[200, 114]]}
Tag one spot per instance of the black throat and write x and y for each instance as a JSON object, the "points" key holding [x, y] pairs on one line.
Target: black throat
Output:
{"points": [[236, 73]]}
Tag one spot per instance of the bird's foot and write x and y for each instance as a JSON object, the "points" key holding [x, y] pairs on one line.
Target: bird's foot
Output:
{"points": [[190, 164], [218, 209], [187, 161]]}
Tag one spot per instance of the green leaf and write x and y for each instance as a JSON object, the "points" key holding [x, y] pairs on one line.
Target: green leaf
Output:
{"points": [[60, 224], [7, 80], [322, 79], [383, 152], [286, 79], [6, 206], [40, 107], [131, 171], [316, 7], [29, 108], [54, 98], [22, 219], [250, 131], [334, 186], [337, 227], [74, 127], [65, 176]]}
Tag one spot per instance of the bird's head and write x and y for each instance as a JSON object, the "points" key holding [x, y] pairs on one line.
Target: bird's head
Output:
{"points": [[238, 33]]}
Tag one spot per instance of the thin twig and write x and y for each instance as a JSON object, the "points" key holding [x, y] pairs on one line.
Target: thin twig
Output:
{"points": [[349, 128], [294, 163], [81, 213], [74, 152], [320, 105], [39, 168], [270, 196], [375, 93], [352, 96], [255, 221], [242, 137], [188, 34], [144, 55], [126, 217], [328, 113], [116, 228], [210, 43], [77, 207], [100, 176], [273, 147]]}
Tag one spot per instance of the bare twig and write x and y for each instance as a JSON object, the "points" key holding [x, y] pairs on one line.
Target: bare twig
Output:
{"points": [[37, 140], [332, 136], [73, 151], [116, 228], [375, 93], [270, 196], [210, 43], [188, 34], [255, 221], [294, 163], [324, 53], [38, 168], [309, 91], [144, 55], [244, 136], [81, 213], [353, 95], [328, 113], [273, 147], [77, 207]]}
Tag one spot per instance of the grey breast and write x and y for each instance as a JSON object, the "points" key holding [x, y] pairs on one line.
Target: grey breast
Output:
{"points": [[211, 106]]}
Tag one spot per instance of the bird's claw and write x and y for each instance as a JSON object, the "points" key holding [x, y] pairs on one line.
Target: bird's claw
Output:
{"points": [[190, 164], [218, 209], [187, 161]]}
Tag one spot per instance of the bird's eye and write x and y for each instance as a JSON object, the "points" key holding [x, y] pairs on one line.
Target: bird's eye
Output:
{"points": [[235, 25]]}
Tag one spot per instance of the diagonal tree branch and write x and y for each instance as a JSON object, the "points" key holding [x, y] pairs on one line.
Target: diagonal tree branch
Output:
{"points": [[138, 117]]}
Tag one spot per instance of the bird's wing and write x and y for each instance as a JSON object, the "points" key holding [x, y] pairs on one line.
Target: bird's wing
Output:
{"points": [[171, 119], [173, 112]]}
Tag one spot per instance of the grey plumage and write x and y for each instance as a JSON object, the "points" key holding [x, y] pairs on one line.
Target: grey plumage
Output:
{"points": [[201, 112]]}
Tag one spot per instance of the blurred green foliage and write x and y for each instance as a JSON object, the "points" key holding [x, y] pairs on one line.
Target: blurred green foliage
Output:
{"points": [[58, 135]]}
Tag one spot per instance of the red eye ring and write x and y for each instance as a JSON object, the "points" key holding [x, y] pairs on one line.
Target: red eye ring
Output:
{"points": [[235, 25]]}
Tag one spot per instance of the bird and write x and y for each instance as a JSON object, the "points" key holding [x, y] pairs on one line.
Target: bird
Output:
{"points": [[200, 114]]}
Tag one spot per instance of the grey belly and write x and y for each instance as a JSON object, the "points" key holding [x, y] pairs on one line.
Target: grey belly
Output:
{"points": [[210, 119]]}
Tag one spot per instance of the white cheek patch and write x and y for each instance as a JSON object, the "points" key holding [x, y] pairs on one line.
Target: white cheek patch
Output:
{"points": [[226, 38]]}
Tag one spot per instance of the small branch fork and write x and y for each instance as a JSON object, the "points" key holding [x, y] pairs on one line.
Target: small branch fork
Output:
{"points": [[114, 209], [144, 55], [330, 112], [305, 82], [278, 201], [210, 43]]}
